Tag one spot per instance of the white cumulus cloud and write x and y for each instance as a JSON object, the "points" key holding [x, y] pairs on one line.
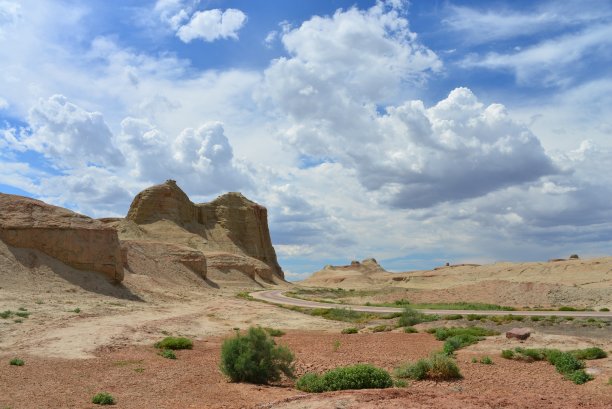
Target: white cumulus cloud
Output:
{"points": [[210, 25]]}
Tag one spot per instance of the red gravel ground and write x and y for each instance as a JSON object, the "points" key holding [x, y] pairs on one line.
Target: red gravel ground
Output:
{"points": [[139, 378]]}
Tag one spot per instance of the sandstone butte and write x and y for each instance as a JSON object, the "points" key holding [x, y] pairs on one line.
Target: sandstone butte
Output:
{"points": [[231, 232], [226, 241], [76, 240]]}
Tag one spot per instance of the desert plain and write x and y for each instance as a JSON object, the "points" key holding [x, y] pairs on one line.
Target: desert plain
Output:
{"points": [[84, 300]]}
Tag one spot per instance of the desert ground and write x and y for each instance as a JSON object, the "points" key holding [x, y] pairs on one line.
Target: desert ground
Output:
{"points": [[83, 314]]}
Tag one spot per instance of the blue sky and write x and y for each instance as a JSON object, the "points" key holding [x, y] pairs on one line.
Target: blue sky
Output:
{"points": [[413, 132]]}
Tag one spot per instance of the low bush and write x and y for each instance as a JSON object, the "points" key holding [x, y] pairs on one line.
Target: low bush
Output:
{"points": [[438, 366], [351, 330], [453, 317], [486, 360], [589, 353], [342, 314], [381, 328], [275, 332], [443, 333], [22, 314], [168, 354], [255, 358], [103, 398], [174, 343], [604, 309], [6, 314], [17, 362], [566, 363], [507, 354], [412, 317], [360, 376], [410, 330]]}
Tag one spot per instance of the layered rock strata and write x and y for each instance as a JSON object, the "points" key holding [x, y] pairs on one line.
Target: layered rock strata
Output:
{"points": [[74, 239]]}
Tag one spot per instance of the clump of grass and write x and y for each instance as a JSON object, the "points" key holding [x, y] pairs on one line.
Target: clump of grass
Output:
{"points": [[438, 366], [22, 314], [245, 295], [342, 314], [17, 362], [507, 354], [453, 317], [536, 318], [255, 358], [273, 332], [6, 314], [336, 345], [589, 353], [381, 328], [565, 363], [351, 330], [174, 343], [22, 309], [486, 360], [474, 360], [604, 309], [443, 333], [410, 330], [360, 376], [412, 317], [476, 317], [76, 310], [103, 398], [168, 354]]}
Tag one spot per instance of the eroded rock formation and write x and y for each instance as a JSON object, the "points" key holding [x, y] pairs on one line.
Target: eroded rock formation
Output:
{"points": [[230, 224], [74, 239]]}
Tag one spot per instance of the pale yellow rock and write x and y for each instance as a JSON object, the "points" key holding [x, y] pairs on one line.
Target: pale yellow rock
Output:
{"points": [[74, 239]]}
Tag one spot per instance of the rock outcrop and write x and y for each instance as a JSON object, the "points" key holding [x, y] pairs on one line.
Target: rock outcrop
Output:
{"points": [[74, 239], [230, 224]]}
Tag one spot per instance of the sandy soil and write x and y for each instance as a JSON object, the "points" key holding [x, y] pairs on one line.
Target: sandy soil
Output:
{"points": [[137, 377]]}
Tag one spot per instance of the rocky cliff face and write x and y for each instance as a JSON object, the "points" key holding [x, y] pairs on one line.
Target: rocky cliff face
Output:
{"points": [[231, 224], [74, 239]]}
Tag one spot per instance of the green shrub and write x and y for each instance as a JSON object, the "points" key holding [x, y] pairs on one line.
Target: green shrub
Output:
{"points": [[578, 377], [454, 317], [604, 309], [589, 353], [457, 342], [416, 371], [174, 343], [443, 333], [566, 363], [103, 398], [507, 354], [351, 330], [255, 358], [535, 318], [412, 317], [342, 314], [474, 360], [476, 317], [381, 328], [486, 360], [168, 354], [438, 367], [76, 310], [22, 314], [6, 314], [275, 332], [17, 362], [360, 376], [410, 330], [443, 368]]}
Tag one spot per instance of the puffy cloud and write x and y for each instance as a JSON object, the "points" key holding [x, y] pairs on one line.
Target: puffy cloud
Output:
{"points": [[3, 103], [210, 25], [70, 135], [411, 156]]}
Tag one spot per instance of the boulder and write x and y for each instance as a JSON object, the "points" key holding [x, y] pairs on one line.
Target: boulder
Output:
{"points": [[76, 240], [519, 333]]}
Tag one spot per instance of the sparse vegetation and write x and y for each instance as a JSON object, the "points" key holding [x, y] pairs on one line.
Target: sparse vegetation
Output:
{"points": [[273, 332], [412, 317], [245, 295], [566, 363], [255, 358], [459, 337], [507, 354], [17, 362], [589, 353], [453, 317], [168, 354], [76, 310], [438, 366], [103, 398], [381, 328], [410, 330], [6, 314], [174, 343], [604, 309], [360, 376], [336, 345], [22, 314], [486, 360], [343, 314], [351, 330]]}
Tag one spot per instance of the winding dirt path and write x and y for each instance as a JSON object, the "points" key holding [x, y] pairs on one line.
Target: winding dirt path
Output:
{"points": [[277, 297]]}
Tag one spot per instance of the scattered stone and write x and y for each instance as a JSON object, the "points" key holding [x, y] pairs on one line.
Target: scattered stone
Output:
{"points": [[519, 333]]}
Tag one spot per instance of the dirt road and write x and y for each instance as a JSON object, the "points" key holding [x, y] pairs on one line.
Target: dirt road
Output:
{"points": [[277, 297]]}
